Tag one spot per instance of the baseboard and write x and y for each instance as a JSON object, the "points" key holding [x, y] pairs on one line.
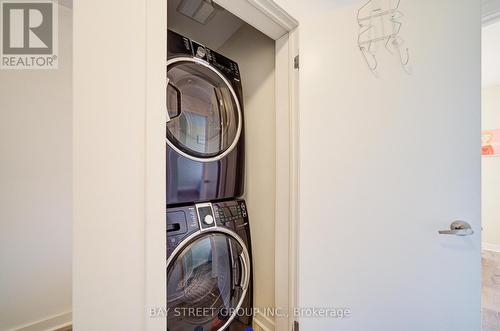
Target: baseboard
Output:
{"points": [[491, 247], [51, 323], [263, 322]]}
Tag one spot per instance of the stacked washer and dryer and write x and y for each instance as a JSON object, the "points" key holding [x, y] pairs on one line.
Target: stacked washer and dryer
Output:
{"points": [[209, 262]]}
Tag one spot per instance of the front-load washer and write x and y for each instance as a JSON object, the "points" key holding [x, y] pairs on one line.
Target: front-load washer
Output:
{"points": [[209, 267], [205, 147]]}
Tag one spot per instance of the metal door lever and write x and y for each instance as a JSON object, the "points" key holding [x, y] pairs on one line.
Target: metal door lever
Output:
{"points": [[458, 228]]}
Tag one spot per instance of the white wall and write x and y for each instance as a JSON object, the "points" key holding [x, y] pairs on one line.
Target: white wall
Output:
{"points": [[36, 188], [255, 54], [490, 51], [109, 142], [119, 236], [491, 170], [371, 153]]}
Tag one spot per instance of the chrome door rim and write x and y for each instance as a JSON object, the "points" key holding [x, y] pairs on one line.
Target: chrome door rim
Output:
{"points": [[233, 93], [240, 241]]}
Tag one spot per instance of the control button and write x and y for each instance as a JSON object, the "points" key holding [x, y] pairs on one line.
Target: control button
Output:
{"points": [[208, 219], [243, 209], [201, 52]]}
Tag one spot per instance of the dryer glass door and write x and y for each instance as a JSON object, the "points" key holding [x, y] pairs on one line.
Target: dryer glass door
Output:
{"points": [[206, 283], [210, 118]]}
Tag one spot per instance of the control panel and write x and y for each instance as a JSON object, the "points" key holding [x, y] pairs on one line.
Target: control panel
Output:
{"points": [[187, 220], [231, 212], [180, 223], [180, 45], [206, 215]]}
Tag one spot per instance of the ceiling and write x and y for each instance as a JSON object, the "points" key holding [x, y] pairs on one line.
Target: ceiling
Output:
{"points": [[66, 3], [491, 55], [213, 34]]}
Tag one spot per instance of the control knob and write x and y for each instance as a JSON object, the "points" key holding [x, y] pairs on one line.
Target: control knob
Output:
{"points": [[201, 52], [209, 219]]}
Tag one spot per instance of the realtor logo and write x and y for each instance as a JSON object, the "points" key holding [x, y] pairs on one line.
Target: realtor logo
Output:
{"points": [[29, 34]]}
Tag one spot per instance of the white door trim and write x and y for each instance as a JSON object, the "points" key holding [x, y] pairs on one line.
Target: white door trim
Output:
{"points": [[294, 177], [264, 15], [287, 179], [155, 176], [276, 13], [490, 11]]}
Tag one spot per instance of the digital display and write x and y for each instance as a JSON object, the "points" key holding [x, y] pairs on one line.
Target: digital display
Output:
{"points": [[204, 211]]}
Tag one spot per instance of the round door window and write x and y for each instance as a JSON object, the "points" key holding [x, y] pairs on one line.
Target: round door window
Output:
{"points": [[209, 122], [206, 283]]}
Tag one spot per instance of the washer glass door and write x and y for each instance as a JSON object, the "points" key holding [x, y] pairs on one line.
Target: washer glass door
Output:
{"points": [[209, 123], [207, 282]]}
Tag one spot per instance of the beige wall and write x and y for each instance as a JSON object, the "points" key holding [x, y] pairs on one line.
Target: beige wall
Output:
{"points": [[36, 189], [491, 170], [255, 55]]}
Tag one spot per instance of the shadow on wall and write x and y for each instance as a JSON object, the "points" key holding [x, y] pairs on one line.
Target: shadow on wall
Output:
{"points": [[36, 191]]}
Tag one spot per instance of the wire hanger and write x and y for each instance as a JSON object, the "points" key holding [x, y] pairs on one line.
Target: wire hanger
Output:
{"points": [[393, 42]]}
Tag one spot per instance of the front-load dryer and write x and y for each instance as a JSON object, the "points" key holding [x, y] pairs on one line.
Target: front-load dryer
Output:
{"points": [[209, 267], [205, 147]]}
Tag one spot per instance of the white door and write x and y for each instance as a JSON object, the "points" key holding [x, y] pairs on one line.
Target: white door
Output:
{"points": [[386, 162]]}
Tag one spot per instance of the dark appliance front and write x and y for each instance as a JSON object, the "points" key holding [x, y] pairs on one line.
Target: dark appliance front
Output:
{"points": [[205, 140], [209, 267]]}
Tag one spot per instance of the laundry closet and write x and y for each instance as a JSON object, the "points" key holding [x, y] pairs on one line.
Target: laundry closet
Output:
{"points": [[221, 71], [130, 132], [119, 196]]}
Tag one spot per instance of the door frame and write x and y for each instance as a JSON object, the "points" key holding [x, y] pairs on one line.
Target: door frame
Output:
{"points": [[273, 21], [155, 195], [490, 12], [287, 179], [490, 15]]}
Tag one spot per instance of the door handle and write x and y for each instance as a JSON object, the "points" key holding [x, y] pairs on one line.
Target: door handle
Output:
{"points": [[173, 113], [166, 96], [244, 272], [458, 228]]}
